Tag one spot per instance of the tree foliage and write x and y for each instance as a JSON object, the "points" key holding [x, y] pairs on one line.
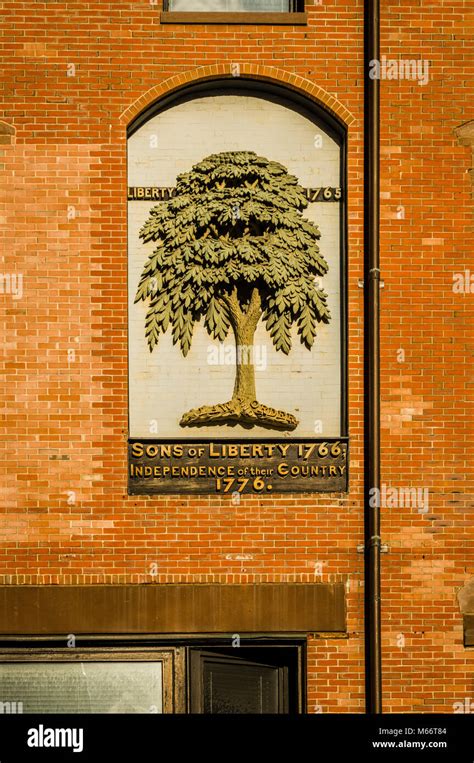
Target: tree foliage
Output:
{"points": [[234, 225]]}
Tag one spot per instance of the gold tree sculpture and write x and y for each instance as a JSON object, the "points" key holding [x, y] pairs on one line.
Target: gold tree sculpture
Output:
{"points": [[233, 248]]}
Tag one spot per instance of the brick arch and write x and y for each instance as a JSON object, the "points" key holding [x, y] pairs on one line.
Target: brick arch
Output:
{"points": [[252, 71]]}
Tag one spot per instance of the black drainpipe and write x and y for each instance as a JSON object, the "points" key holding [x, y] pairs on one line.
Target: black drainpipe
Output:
{"points": [[372, 360]]}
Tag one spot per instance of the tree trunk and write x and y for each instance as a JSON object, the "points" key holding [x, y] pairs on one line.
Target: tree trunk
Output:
{"points": [[244, 387], [243, 408]]}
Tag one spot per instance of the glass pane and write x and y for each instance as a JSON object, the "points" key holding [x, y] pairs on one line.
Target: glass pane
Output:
{"points": [[232, 688], [81, 687], [229, 5]]}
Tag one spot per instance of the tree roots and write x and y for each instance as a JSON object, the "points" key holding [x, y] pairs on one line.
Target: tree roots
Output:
{"points": [[246, 412]]}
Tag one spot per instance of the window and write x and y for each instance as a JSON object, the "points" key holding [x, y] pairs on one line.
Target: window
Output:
{"points": [[233, 12], [202, 677], [246, 680], [87, 682], [236, 6]]}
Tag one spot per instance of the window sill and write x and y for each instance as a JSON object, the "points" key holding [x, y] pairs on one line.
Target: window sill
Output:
{"points": [[275, 19]]}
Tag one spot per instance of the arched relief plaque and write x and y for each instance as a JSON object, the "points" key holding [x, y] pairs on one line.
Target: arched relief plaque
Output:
{"points": [[237, 318]]}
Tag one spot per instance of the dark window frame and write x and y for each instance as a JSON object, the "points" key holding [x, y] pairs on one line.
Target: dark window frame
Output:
{"points": [[174, 650], [288, 660], [295, 16], [168, 657]]}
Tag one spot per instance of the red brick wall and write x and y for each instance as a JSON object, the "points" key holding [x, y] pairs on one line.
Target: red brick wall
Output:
{"points": [[427, 398], [66, 517]]}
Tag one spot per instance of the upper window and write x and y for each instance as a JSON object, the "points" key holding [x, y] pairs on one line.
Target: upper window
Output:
{"points": [[236, 6], [283, 12]]}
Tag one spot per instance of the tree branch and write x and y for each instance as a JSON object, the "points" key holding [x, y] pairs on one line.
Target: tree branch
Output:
{"points": [[255, 307], [231, 301]]}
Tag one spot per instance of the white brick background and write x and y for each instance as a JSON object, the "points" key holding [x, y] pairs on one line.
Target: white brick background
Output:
{"points": [[163, 384]]}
